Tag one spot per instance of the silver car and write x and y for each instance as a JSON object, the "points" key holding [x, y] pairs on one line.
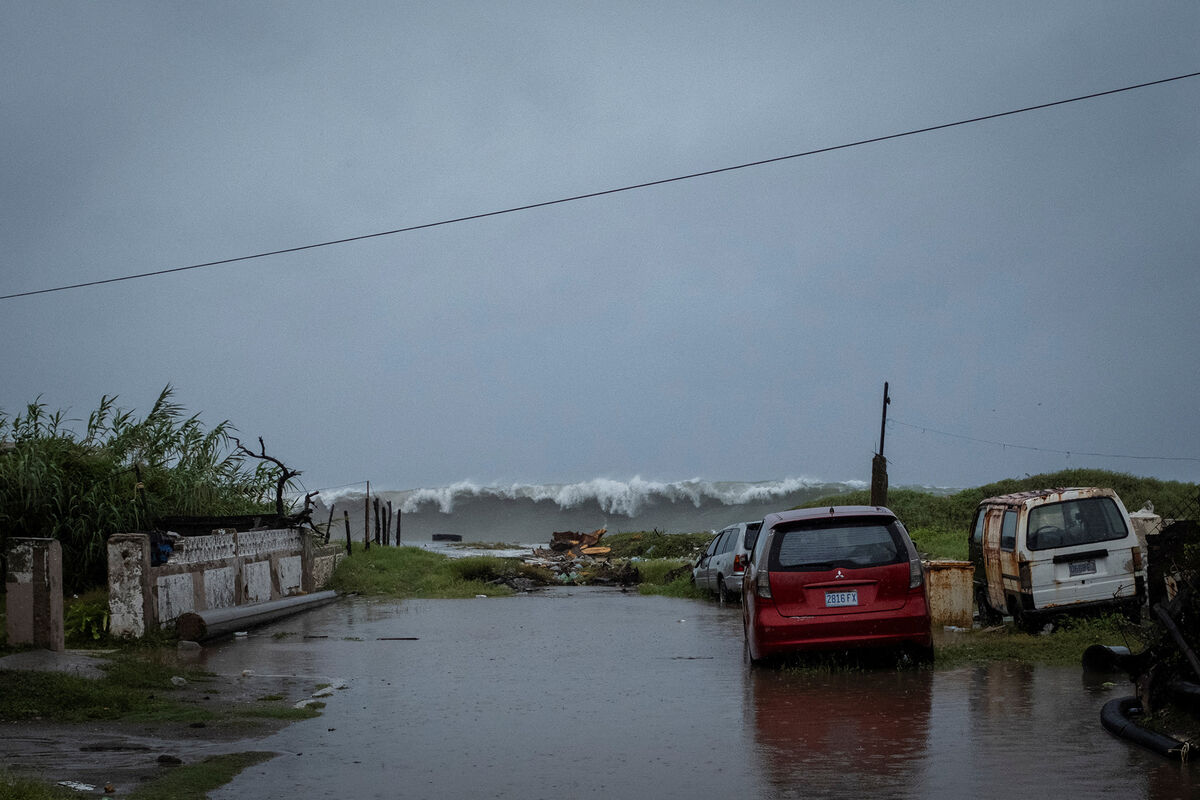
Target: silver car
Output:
{"points": [[719, 570]]}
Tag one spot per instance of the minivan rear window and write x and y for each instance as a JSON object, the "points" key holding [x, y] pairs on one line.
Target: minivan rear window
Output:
{"points": [[1072, 522], [840, 543]]}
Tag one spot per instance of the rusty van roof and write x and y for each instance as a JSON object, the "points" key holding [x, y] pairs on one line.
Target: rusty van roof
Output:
{"points": [[1047, 496]]}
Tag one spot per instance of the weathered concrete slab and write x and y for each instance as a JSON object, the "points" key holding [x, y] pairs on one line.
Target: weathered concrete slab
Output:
{"points": [[85, 664]]}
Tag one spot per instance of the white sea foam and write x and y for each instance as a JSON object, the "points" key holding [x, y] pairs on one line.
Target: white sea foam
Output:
{"points": [[617, 497]]}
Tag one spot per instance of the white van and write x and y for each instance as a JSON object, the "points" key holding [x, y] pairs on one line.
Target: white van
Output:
{"points": [[1040, 553]]}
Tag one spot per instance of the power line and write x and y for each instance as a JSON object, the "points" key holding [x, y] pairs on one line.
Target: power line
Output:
{"points": [[927, 429], [602, 192]]}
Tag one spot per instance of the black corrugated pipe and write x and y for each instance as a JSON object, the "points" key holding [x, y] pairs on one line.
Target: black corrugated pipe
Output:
{"points": [[1116, 717]]}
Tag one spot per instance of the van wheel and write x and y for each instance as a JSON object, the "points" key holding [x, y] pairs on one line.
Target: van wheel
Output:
{"points": [[987, 615]]}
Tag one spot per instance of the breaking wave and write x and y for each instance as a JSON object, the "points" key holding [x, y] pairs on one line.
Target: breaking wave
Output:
{"points": [[624, 498], [530, 512]]}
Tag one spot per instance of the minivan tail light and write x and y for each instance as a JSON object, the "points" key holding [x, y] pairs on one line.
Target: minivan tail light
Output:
{"points": [[762, 584], [916, 575]]}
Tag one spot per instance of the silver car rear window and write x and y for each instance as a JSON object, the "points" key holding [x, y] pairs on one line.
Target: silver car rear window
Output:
{"points": [[839, 544]]}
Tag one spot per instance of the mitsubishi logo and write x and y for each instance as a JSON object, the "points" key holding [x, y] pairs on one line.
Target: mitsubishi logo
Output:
{"points": [[839, 574]]}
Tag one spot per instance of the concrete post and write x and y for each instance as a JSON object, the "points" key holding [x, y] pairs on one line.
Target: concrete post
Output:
{"points": [[35, 598], [130, 602], [307, 565]]}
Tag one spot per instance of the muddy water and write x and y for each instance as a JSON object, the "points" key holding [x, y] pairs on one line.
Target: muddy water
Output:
{"points": [[595, 693]]}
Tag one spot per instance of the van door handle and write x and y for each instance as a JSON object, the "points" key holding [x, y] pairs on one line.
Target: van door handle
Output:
{"points": [[1068, 557]]}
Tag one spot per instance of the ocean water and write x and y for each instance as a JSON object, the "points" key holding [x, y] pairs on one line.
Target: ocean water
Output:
{"points": [[532, 512]]}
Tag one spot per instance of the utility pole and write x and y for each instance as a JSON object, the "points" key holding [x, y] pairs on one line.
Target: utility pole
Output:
{"points": [[879, 478]]}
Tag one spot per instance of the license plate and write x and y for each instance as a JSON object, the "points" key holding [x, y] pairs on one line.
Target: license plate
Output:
{"points": [[1087, 567], [838, 599]]}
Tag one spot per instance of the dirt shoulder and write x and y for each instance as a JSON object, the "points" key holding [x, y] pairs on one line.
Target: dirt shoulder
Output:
{"points": [[239, 712]]}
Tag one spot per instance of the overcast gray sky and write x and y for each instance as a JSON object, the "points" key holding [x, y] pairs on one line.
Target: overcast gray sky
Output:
{"points": [[1031, 280]]}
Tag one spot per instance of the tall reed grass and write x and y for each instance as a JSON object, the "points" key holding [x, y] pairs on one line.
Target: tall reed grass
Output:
{"points": [[118, 475]]}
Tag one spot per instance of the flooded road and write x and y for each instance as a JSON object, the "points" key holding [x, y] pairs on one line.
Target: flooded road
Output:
{"points": [[596, 693]]}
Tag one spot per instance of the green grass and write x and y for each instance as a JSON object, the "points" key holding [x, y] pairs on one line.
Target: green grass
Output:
{"points": [[1063, 647], [940, 544], [415, 572], [14, 787], [195, 781], [187, 782], [656, 544], [655, 573], [71, 698], [136, 687], [680, 587]]}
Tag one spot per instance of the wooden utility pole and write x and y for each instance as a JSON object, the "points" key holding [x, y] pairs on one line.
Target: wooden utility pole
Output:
{"points": [[879, 478], [346, 519]]}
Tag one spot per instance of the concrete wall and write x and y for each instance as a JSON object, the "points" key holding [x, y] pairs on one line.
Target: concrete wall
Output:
{"points": [[34, 605], [210, 572]]}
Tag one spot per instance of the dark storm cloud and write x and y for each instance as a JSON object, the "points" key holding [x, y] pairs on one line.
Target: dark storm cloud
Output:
{"points": [[1028, 280]]}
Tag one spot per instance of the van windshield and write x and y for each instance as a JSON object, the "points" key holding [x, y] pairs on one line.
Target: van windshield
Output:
{"points": [[1073, 522], [848, 543]]}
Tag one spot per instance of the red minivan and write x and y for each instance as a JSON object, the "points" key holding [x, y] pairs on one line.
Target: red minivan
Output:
{"points": [[835, 578]]}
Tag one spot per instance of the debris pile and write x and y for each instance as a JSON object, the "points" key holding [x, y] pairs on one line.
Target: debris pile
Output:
{"points": [[1167, 673], [579, 559]]}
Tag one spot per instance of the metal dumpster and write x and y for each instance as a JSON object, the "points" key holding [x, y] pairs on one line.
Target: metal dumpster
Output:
{"points": [[950, 585]]}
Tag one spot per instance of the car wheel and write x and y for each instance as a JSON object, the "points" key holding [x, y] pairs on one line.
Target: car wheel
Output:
{"points": [[722, 593], [750, 659], [921, 655]]}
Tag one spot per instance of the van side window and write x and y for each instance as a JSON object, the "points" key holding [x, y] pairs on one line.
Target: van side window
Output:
{"points": [[1008, 532], [977, 529]]}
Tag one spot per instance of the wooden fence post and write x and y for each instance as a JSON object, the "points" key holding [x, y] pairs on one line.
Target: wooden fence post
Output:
{"points": [[367, 518], [375, 503], [346, 519]]}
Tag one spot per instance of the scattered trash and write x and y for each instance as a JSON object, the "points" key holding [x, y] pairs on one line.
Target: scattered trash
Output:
{"points": [[178, 681], [954, 629], [481, 597], [240, 634], [77, 786], [246, 673], [326, 692]]}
